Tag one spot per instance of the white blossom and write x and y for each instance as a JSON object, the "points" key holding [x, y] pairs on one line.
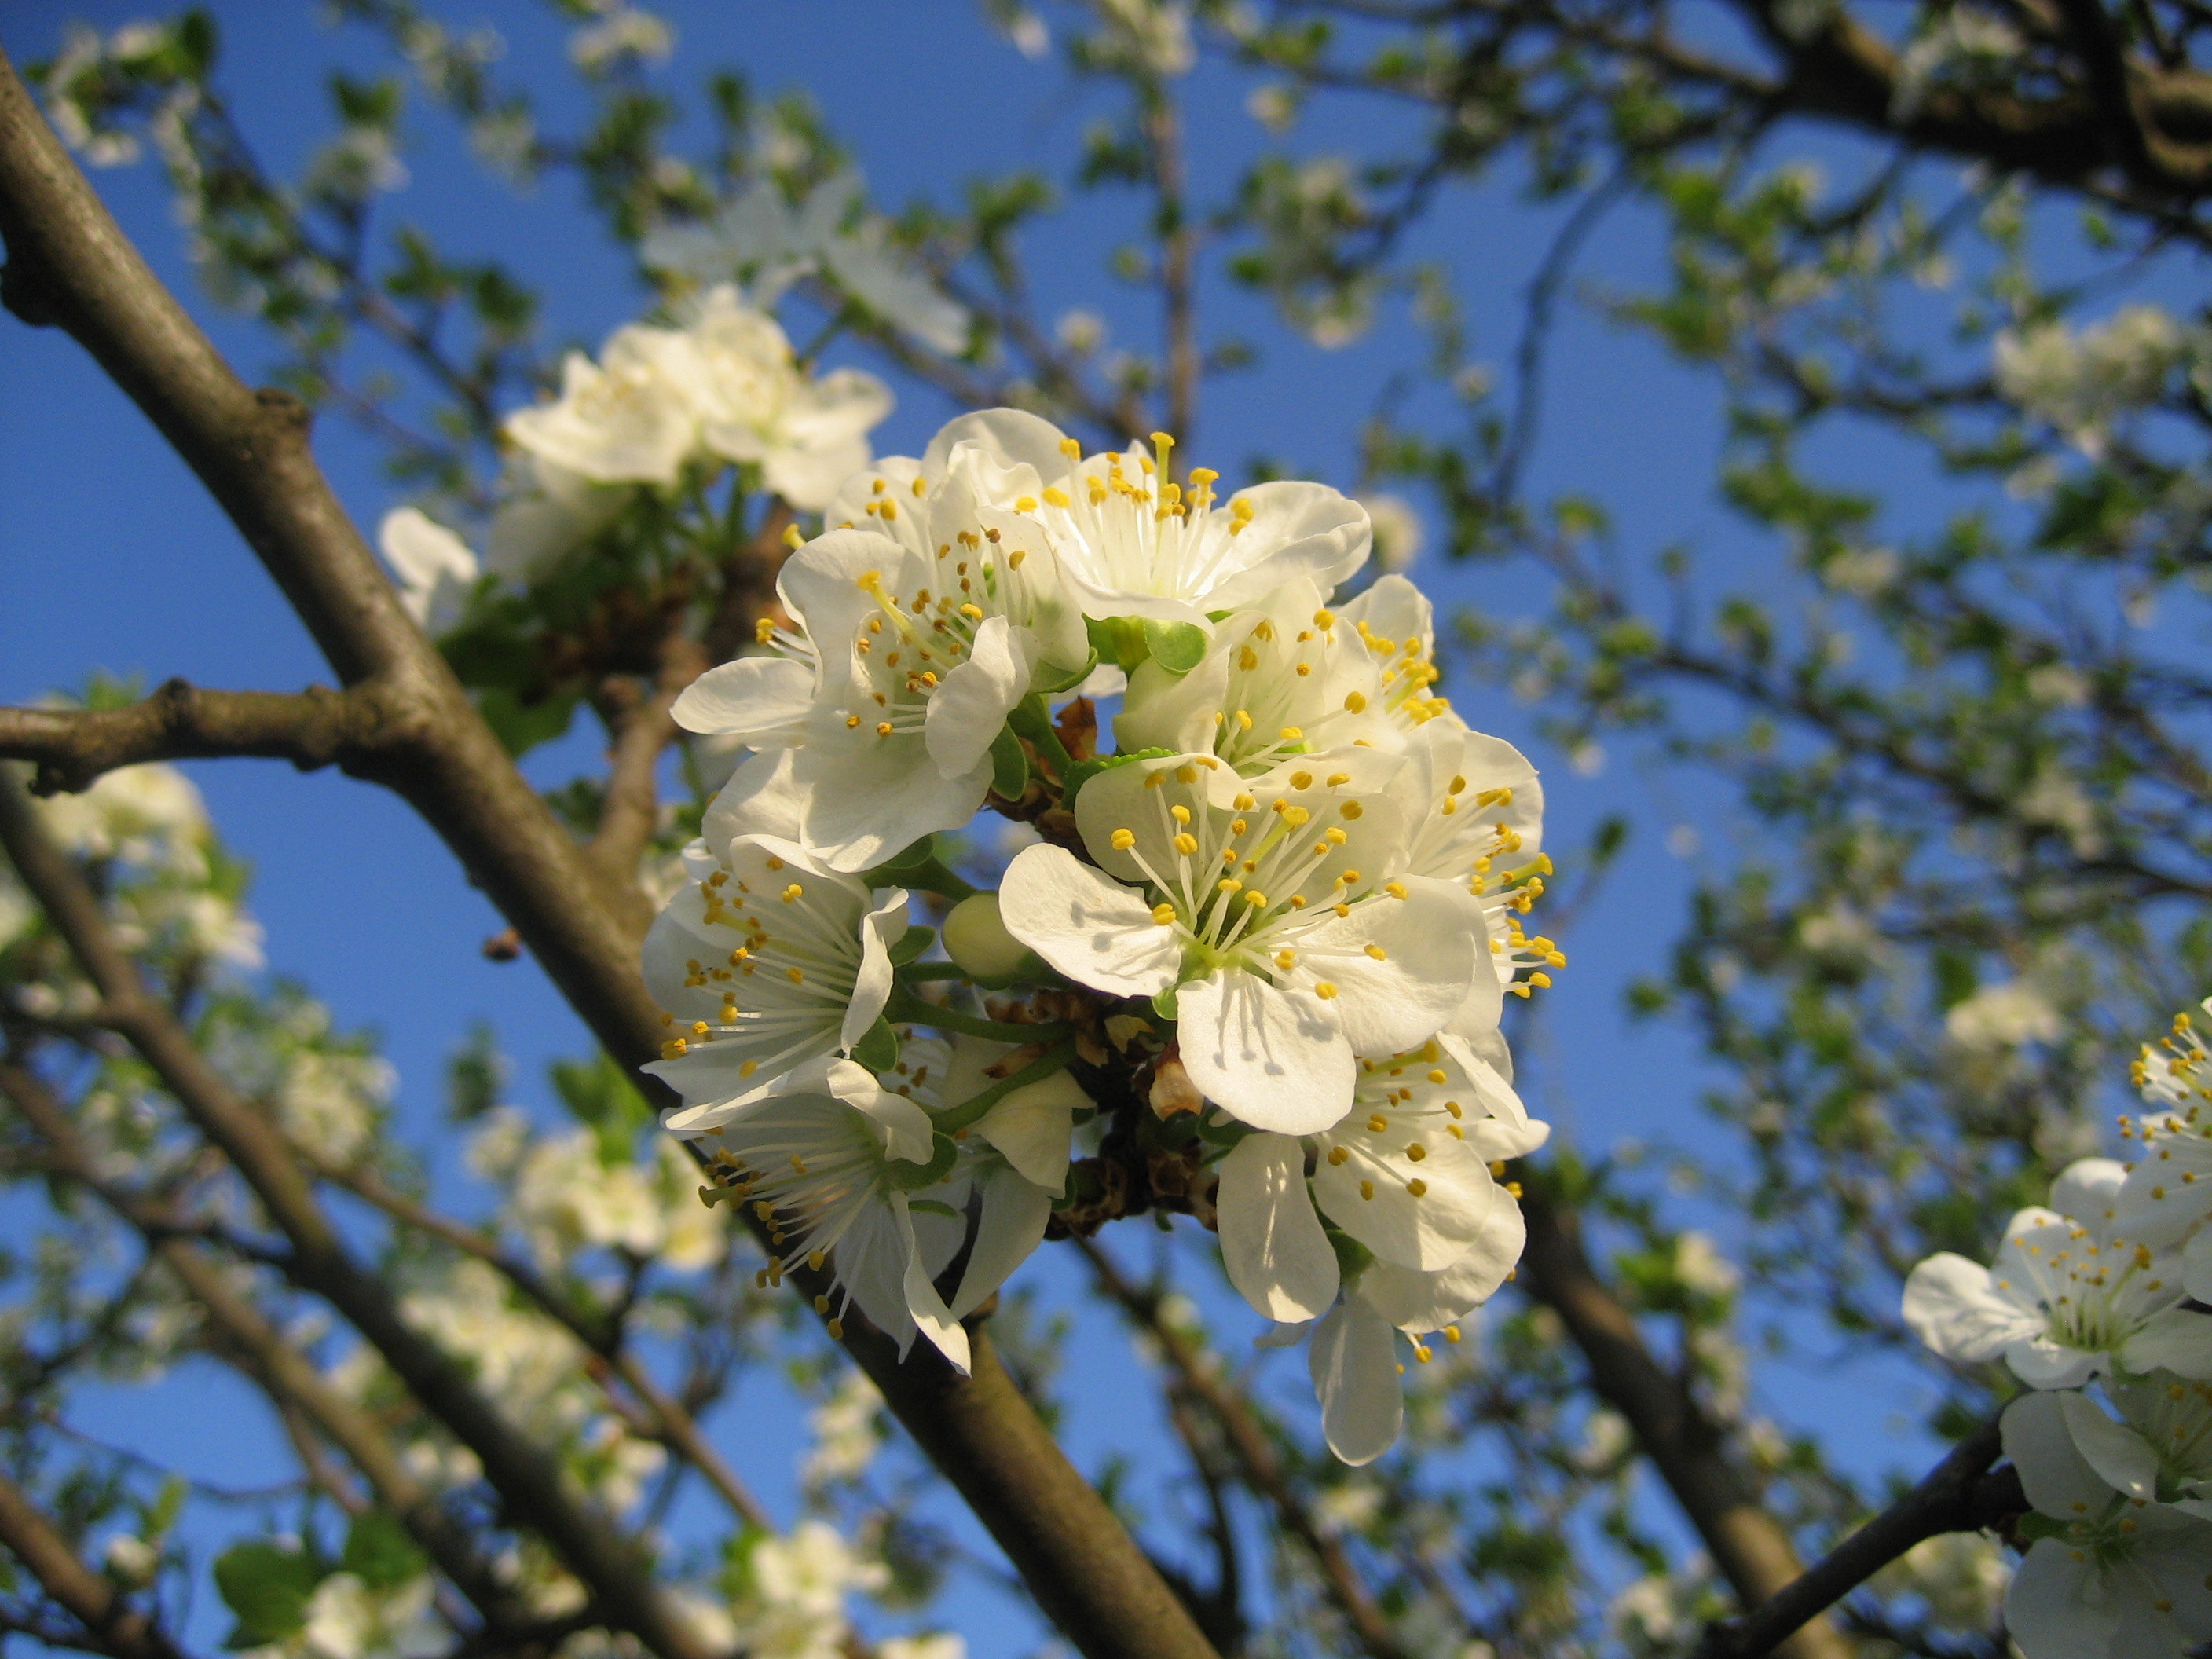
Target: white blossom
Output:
{"points": [[2108, 1576], [2066, 1299], [1283, 930]]}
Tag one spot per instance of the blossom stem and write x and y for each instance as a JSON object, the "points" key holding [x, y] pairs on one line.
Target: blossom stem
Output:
{"points": [[1031, 718], [971, 1109]]}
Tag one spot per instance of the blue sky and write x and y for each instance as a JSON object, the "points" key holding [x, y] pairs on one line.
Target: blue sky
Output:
{"points": [[111, 557]]}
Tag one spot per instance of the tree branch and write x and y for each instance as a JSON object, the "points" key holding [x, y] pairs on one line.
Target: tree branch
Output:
{"points": [[69, 263], [113, 1627], [1960, 1494], [314, 729], [1685, 1444], [258, 1348], [1258, 1464]]}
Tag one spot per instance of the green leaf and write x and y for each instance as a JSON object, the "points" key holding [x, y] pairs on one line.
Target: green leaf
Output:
{"points": [[599, 1094], [522, 727], [267, 1587], [1009, 765], [910, 945], [878, 1049], [1049, 679], [380, 1554], [1176, 647], [911, 1177], [1118, 640]]}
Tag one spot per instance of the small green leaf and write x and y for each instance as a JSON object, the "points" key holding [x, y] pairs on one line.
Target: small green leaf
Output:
{"points": [[380, 1554], [878, 1049], [1176, 647], [911, 1177], [910, 945], [1009, 765], [267, 1587], [1049, 679], [522, 727]]}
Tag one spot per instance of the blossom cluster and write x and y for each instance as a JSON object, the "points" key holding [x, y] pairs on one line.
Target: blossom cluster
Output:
{"points": [[1270, 934], [2106, 1288]]}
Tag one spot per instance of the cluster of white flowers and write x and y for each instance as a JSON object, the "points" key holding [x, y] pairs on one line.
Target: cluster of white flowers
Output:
{"points": [[2081, 381], [1292, 901], [660, 405], [2098, 1289]]}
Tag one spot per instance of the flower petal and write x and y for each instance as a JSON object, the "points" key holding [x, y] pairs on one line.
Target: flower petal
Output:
{"points": [[880, 928], [2058, 1480], [1087, 924], [1011, 1225], [966, 712], [2121, 1456], [2178, 1341], [762, 702], [1269, 1057], [1952, 1306], [1272, 1242], [1354, 1362]]}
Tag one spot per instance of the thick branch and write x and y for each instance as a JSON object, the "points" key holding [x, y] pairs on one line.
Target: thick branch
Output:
{"points": [[312, 729], [1685, 1444], [69, 263], [1960, 1494], [112, 1625]]}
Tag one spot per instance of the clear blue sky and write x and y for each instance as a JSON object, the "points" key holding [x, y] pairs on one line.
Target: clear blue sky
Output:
{"points": [[111, 557]]}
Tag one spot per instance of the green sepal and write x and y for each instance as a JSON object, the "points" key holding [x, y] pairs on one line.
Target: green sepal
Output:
{"points": [[910, 945], [1224, 1133], [1009, 765], [1176, 647], [901, 862], [1353, 1258], [878, 1048], [1163, 1002], [934, 1207], [911, 1177], [1049, 680], [1083, 771], [1118, 640]]}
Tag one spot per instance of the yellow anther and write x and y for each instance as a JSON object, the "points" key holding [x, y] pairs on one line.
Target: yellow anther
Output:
{"points": [[1378, 953], [1397, 889], [1352, 809], [1292, 734], [1164, 914], [1355, 702], [1338, 779], [1301, 780], [1025, 504], [1324, 989], [1229, 884], [1123, 840], [1185, 843], [792, 894], [673, 1046], [1180, 813], [791, 539]]}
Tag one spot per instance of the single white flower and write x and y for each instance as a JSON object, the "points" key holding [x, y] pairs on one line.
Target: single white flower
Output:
{"points": [[2169, 1191], [1272, 908], [1133, 547], [1406, 1174], [436, 569], [2064, 1301], [754, 403], [835, 1179], [1284, 677], [1397, 528], [2160, 1451], [907, 662], [629, 418], [2108, 1577], [770, 965]]}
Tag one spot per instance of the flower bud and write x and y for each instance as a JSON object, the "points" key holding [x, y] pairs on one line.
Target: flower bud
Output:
{"points": [[977, 940]]}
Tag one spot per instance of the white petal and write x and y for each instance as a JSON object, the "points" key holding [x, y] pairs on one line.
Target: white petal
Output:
{"points": [[1272, 1242], [1418, 1301], [2123, 1457], [2051, 1611], [1951, 1306], [1087, 924], [1031, 1129], [1354, 1362], [2043, 1363], [881, 928], [866, 799], [1269, 1057], [764, 797], [2058, 1480], [808, 476], [2088, 1189], [762, 701], [2176, 1341], [966, 712], [1011, 1225], [929, 1315], [1296, 529], [422, 550], [2196, 1266], [1010, 435], [1430, 941], [1459, 1206]]}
